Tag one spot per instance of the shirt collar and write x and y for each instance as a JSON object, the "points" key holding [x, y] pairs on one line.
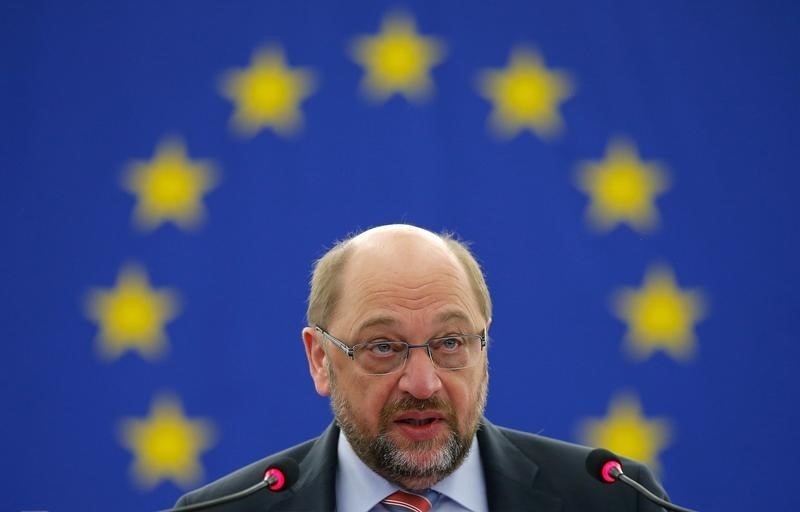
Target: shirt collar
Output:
{"points": [[359, 489]]}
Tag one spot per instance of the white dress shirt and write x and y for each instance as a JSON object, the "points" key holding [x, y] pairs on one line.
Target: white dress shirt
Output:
{"points": [[359, 489]]}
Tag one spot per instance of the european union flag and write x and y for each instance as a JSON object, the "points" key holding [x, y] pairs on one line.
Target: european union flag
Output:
{"points": [[625, 172]]}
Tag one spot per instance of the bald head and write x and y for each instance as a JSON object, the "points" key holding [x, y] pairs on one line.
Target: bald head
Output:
{"points": [[394, 248]]}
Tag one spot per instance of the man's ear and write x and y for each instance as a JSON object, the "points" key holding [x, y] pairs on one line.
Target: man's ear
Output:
{"points": [[317, 359]]}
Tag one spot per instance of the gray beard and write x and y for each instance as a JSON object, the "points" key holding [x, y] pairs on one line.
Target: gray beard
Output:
{"points": [[402, 465], [397, 465]]}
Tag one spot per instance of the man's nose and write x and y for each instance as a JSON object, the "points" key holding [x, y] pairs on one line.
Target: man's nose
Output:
{"points": [[419, 377]]}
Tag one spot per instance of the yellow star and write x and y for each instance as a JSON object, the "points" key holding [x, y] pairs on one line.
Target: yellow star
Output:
{"points": [[626, 432], [659, 315], [622, 188], [132, 315], [170, 187], [525, 95], [268, 94], [166, 445], [397, 60]]}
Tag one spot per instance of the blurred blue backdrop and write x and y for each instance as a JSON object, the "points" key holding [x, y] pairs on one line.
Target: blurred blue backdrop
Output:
{"points": [[626, 171]]}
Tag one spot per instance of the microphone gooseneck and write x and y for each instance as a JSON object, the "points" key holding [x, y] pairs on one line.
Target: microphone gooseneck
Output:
{"points": [[606, 467], [278, 477]]}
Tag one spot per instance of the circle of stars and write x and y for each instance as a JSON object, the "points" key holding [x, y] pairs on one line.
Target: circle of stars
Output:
{"points": [[267, 95]]}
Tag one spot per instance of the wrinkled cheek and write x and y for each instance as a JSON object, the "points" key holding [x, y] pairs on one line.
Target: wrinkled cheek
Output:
{"points": [[367, 415], [363, 403], [475, 406]]}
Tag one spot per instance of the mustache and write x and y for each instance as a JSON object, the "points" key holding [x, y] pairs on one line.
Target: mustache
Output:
{"points": [[409, 403]]}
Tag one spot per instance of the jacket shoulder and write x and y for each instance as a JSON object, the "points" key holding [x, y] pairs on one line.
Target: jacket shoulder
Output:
{"points": [[535, 446], [555, 451], [559, 469]]}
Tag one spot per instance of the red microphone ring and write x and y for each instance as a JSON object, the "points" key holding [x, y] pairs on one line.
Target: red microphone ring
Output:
{"points": [[605, 472], [280, 479]]}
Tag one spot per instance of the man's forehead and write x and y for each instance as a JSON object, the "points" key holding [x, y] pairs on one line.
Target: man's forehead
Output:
{"points": [[441, 318], [404, 257]]}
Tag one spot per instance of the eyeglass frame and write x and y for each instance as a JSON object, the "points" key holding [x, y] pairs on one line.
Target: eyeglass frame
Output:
{"points": [[351, 351]]}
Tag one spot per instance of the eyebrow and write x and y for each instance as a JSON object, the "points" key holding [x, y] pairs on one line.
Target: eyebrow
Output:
{"points": [[379, 321], [453, 314]]}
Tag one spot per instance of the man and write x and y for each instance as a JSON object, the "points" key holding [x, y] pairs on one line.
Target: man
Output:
{"points": [[398, 322]]}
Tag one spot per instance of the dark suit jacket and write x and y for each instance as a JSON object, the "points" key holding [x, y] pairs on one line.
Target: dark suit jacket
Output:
{"points": [[523, 472]]}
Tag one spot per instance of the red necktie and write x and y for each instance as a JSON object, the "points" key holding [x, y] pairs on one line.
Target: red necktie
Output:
{"points": [[404, 501]]}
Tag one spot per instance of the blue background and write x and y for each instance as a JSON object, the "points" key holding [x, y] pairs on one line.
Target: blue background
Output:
{"points": [[708, 87]]}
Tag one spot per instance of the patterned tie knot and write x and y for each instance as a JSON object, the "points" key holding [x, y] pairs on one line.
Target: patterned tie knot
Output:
{"points": [[403, 501]]}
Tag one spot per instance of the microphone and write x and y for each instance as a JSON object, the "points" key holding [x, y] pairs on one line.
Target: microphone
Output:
{"points": [[606, 467], [278, 477]]}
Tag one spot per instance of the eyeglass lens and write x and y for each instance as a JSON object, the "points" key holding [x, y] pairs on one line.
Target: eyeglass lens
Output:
{"points": [[383, 356]]}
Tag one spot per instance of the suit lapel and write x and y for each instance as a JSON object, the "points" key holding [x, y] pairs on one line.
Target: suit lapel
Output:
{"points": [[511, 478]]}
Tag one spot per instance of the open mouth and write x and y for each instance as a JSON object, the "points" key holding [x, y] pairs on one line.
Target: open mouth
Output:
{"points": [[418, 423], [420, 426]]}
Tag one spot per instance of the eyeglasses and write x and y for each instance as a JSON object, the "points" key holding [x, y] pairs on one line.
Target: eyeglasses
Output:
{"points": [[381, 357]]}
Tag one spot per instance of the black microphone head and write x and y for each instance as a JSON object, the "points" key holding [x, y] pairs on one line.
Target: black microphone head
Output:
{"points": [[283, 473], [599, 463]]}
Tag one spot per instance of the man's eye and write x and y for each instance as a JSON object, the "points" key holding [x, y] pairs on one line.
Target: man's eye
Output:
{"points": [[381, 347], [451, 343]]}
